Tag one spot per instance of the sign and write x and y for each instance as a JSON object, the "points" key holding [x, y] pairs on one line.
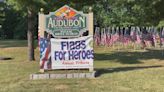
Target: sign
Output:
{"points": [[66, 22], [69, 48], [72, 53]]}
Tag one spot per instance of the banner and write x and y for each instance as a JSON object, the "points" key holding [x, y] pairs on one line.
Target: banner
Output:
{"points": [[74, 53]]}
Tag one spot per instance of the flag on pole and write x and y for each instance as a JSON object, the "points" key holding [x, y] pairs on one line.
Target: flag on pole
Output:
{"points": [[127, 38], [108, 36], [138, 36], [97, 36], [133, 34], [114, 36], [45, 53], [162, 37]]}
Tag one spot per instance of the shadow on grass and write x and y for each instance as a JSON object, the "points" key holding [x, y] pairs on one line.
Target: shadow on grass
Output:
{"points": [[6, 58], [126, 57], [102, 71]]}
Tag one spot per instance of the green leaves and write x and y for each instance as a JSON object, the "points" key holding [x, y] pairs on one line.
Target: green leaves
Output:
{"points": [[129, 12], [106, 12], [33, 5]]}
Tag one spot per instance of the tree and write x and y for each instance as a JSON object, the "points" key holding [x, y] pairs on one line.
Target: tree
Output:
{"points": [[31, 8], [12, 22], [128, 12], [159, 7], [2, 15]]}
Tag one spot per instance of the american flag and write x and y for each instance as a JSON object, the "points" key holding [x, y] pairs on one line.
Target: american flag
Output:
{"points": [[45, 62], [108, 36], [121, 35], [133, 34], [114, 36], [104, 36], [155, 36], [162, 37], [127, 37], [97, 36], [138, 36]]}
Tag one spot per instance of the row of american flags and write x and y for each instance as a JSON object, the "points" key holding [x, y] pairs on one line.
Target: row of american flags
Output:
{"points": [[142, 36]]}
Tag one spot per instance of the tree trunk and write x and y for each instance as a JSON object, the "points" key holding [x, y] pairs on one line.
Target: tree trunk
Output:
{"points": [[30, 35]]}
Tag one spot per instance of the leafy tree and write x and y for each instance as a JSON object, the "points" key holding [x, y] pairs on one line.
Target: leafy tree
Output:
{"points": [[128, 12], [159, 6], [31, 8], [12, 23], [2, 15]]}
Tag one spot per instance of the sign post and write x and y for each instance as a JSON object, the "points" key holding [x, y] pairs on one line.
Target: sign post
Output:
{"points": [[63, 41]]}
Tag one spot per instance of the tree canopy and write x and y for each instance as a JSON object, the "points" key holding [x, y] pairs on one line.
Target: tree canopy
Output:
{"points": [[106, 13], [129, 12]]}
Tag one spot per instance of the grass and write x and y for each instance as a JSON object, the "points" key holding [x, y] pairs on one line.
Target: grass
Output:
{"points": [[117, 71]]}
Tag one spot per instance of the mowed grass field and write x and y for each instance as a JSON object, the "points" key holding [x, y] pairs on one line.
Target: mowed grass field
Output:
{"points": [[117, 71]]}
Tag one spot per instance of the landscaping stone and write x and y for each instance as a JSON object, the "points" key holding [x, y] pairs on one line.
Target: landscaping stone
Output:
{"points": [[69, 76], [75, 75], [62, 76], [82, 75], [58, 76], [43, 76]]}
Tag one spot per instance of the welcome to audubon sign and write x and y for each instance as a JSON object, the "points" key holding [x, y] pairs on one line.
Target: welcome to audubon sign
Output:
{"points": [[66, 22], [75, 51]]}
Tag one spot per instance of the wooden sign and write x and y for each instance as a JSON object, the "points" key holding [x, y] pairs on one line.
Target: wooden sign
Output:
{"points": [[66, 22]]}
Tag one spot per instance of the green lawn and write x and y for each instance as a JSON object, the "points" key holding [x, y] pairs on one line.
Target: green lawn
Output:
{"points": [[117, 71]]}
